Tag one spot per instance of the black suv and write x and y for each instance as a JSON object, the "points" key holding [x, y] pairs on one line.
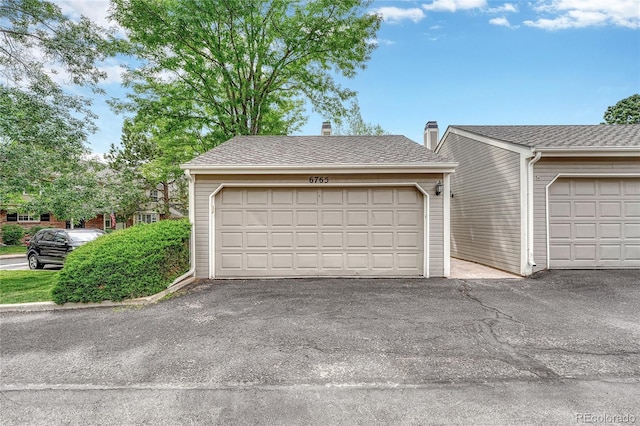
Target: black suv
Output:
{"points": [[51, 245]]}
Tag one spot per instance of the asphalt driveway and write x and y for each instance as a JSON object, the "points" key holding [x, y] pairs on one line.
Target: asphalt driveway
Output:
{"points": [[559, 348]]}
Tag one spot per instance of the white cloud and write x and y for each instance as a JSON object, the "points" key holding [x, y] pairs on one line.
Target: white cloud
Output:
{"points": [[453, 5], [507, 7], [96, 10], [500, 21], [396, 14], [586, 13]]}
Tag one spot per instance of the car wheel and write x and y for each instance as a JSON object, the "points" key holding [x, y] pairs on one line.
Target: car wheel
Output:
{"points": [[34, 263]]}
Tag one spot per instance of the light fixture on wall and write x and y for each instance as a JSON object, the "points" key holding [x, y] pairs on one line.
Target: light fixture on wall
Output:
{"points": [[439, 187]]}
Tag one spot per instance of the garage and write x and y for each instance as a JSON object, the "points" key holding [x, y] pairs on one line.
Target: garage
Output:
{"points": [[319, 231], [319, 206], [594, 223]]}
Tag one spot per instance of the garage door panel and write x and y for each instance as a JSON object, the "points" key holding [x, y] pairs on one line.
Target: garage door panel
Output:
{"points": [[307, 240], [282, 218], [357, 218], [584, 187], [632, 230], [307, 218], [611, 209], [409, 218], [561, 230], [585, 231], [610, 188], [610, 231], [560, 209], [332, 218], [282, 261], [632, 209], [357, 261], [331, 240], [319, 231], [632, 252], [586, 209], [281, 197], [631, 187], [382, 196], [611, 252], [382, 218], [357, 240], [259, 218], [257, 239], [603, 215], [282, 240], [307, 261]]}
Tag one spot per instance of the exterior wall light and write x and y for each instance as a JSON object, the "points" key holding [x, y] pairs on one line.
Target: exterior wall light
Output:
{"points": [[439, 187]]}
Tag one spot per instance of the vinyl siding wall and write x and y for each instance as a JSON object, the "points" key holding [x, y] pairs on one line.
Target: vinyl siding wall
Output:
{"points": [[205, 185], [486, 207], [546, 170]]}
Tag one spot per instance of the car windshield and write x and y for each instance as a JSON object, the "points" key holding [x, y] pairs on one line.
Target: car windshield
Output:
{"points": [[84, 236]]}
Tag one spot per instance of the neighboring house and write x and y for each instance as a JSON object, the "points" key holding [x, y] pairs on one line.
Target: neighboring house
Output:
{"points": [[148, 213], [291, 206], [27, 221], [527, 198]]}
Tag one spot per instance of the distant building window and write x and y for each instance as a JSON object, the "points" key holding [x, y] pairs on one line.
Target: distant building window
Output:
{"points": [[153, 194], [28, 217], [45, 217], [107, 222], [12, 217], [147, 217]]}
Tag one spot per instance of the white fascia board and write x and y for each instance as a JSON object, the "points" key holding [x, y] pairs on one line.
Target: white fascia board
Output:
{"points": [[329, 168], [487, 140], [590, 152]]}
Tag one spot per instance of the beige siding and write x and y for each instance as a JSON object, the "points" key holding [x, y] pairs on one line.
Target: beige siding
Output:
{"points": [[547, 169], [485, 209], [205, 185]]}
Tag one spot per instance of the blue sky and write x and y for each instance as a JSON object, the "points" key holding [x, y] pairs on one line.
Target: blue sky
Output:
{"points": [[472, 62]]}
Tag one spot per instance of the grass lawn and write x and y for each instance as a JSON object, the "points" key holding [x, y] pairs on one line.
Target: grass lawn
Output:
{"points": [[26, 286], [13, 250]]}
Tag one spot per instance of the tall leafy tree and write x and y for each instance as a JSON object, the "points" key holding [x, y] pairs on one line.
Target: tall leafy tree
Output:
{"points": [[136, 169], [353, 123], [626, 111], [43, 128], [215, 69]]}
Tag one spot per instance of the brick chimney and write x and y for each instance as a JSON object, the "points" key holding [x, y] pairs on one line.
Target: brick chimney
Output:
{"points": [[326, 128], [431, 134]]}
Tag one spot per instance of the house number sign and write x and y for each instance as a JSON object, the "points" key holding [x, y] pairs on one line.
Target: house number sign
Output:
{"points": [[318, 179]]}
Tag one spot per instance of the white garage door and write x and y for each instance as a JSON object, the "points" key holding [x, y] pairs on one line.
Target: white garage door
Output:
{"points": [[594, 223], [284, 232]]}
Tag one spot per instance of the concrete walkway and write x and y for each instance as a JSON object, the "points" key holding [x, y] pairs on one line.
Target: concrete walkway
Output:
{"points": [[461, 269]]}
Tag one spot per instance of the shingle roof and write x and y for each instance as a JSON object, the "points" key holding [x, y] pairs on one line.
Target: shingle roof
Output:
{"points": [[318, 150], [601, 136]]}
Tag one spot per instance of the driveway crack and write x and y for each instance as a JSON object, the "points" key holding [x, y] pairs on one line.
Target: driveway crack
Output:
{"points": [[486, 334]]}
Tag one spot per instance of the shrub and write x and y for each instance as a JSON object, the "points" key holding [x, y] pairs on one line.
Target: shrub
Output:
{"points": [[128, 263], [12, 234]]}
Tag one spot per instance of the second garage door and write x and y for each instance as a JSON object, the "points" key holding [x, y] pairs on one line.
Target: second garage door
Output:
{"points": [[594, 223], [281, 232]]}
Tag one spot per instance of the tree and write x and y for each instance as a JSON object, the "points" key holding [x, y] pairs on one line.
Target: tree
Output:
{"points": [[353, 123], [135, 169], [43, 129], [626, 111], [215, 69]]}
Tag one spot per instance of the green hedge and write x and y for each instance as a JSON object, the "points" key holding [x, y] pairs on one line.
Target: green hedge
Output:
{"points": [[12, 234], [129, 263]]}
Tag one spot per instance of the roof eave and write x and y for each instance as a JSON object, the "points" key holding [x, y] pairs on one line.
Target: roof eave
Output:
{"points": [[320, 168], [590, 152]]}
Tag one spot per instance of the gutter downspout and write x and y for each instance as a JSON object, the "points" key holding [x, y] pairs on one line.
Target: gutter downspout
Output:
{"points": [[192, 242], [530, 260]]}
